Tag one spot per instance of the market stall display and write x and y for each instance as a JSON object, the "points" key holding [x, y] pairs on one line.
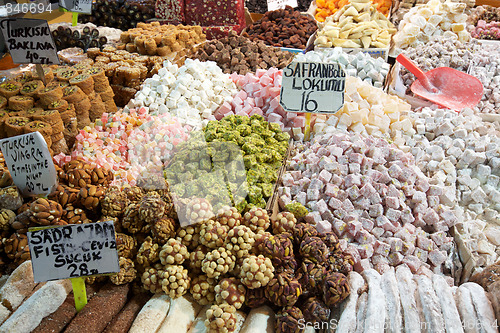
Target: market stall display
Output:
{"points": [[234, 215]]}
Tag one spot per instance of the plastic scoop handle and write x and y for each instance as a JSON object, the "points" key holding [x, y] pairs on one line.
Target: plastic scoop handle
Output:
{"points": [[415, 70]]}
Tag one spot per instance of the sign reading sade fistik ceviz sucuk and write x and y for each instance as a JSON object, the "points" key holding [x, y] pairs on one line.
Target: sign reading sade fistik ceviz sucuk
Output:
{"points": [[312, 87], [73, 250], [30, 164], [29, 41]]}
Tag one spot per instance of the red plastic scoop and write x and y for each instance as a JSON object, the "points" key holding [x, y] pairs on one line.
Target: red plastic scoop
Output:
{"points": [[444, 86]]}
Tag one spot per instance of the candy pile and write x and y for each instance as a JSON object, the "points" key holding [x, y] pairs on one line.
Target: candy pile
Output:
{"points": [[459, 153], [72, 98], [121, 14], [384, 209], [127, 143], [190, 92], [126, 71], [435, 18], [483, 13], [238, 54], [360, 65], [327, 8], [413, 302], [486, 67], [283, 27], [260, 6], [83, 36], [485, 30], [369, 111], [439, 51], [155, 39], [356, 25]]}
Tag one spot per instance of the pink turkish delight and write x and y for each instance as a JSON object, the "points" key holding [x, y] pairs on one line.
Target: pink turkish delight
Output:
{"points": [[365, 251], [437, 257]]}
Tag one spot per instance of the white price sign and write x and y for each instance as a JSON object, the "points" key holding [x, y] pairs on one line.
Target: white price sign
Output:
{"points": [[280, 4], [312, 87], [29, 41], [77, 6], [73, 250], [30, 163]]}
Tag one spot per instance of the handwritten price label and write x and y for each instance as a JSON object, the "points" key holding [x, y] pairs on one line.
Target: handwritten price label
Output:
{"points": [[312, 87], [77, 6], [29, 41]]}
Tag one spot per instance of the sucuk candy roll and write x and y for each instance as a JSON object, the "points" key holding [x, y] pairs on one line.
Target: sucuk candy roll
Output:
{"points": [[58, 320], [123, 321], [181, 316], [42, 303], [259, 320], [152, 314], [101, 309]]}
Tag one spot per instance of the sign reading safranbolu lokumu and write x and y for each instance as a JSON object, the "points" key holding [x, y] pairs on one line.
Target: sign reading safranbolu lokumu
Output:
{"points": [[312, 87], [73, 250], [30, 164]]}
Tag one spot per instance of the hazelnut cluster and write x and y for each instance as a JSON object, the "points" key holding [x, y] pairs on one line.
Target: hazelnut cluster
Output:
{"points": [[221, 318]]}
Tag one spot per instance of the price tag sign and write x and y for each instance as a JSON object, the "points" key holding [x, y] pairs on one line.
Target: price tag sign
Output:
{"points": [[279, 4], [29, 41], [73, 251], [77, 6], [30, 163], [312, 87]]}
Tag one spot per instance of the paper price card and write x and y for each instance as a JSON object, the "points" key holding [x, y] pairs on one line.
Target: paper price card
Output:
{"points": [[29, 41], [77, 6], [279, 4], [73, 250], [312, 87], [30, 163]]}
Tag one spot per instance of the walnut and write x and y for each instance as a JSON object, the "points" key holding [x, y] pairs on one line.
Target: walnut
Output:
{"points": [[45, 212], [125, 245], [148, 253], [256, 271], [151, 207], [127, 272], [10, 198], [256, 218], [203, 289], [175, 281], [133, 193], [5, 177], [173, 252], [131, 221], [6, 218], [218, 262], [114, 202], [163, 229], [221, 318], [283, 289], [230, 291]]}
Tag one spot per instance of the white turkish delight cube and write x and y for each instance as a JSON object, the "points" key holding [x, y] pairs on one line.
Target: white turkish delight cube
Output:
{"points": [[391, 202], [323, 227], [376, 210], [375, 199], [321, 206], [392, 191], [408, 190], [394, 171], [421, 254], [283, 201], [418, 197], [367, 190], [364, 237], [381, 189], [312, 194], [367, 223], [312, 217], [439, 238], [354, 168], [393, 215], [353, 192], [408, 248], [287, 179], [340, 213], [395, 258], [362, 203], [395, 243], [337, 180], [301, 198], [437, 257], [316, 184], [325, 176], [327, 216], [433, 201]]}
